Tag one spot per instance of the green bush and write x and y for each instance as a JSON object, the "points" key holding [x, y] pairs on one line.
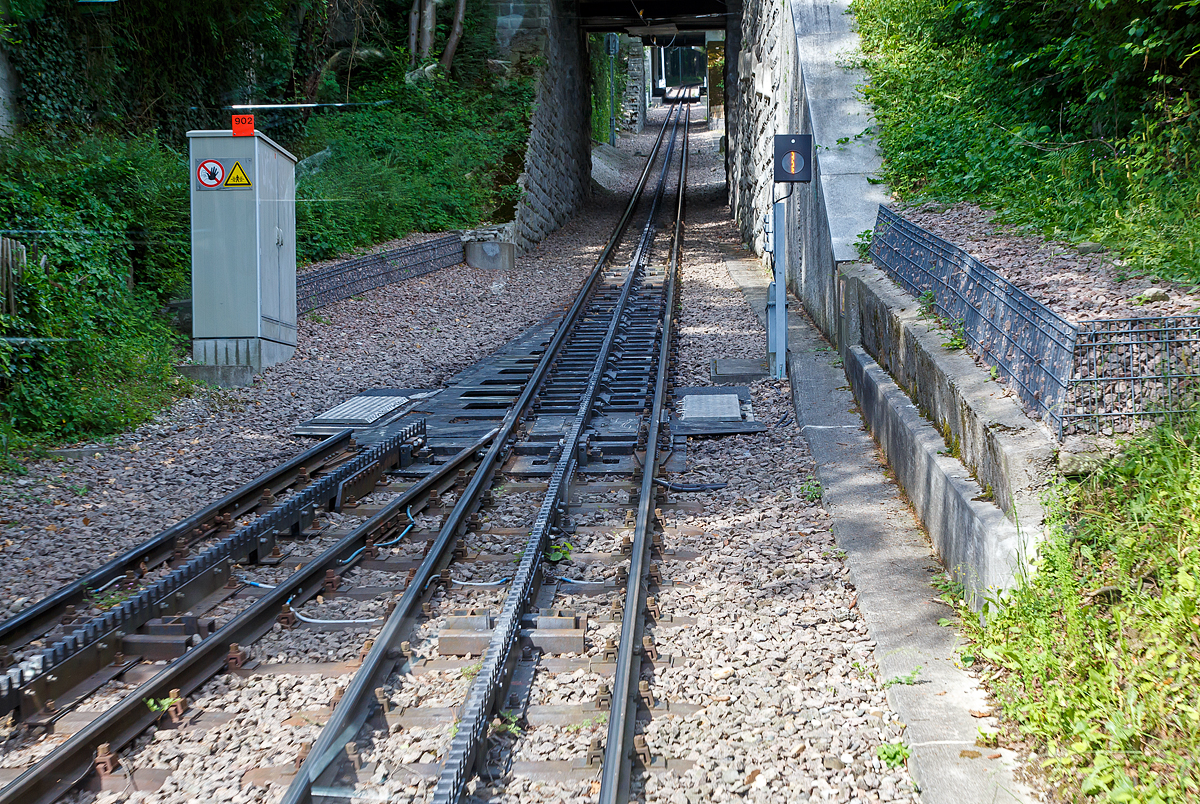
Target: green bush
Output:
{"points": [[107, 209], [107, 217], [602, 74], [959, 121], [1098, 654], [440, 156]]}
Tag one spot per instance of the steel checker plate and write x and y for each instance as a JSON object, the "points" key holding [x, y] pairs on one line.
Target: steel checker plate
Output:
{"points": [[709, 407]]}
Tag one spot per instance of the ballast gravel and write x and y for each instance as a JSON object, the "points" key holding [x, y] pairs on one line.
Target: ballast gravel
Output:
{"points": [[767, 661], [66, 517]]}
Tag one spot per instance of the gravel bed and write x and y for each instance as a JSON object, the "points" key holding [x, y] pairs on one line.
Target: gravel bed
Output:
{"points": [[207, 764], [1078, 286], [67, 517], [779, 659]]}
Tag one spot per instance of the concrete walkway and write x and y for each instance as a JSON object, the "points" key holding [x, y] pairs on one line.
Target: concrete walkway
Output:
{"points": [[892, 567]]}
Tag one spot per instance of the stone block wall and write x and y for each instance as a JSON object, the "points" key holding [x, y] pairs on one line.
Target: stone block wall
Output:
{"points": [[633, 101], [759, 97], [8, 97], [557, 171], [784, 75]]}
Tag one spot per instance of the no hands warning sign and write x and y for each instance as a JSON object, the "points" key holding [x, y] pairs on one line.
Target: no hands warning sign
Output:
{"points": [[210, 173], [225, 174]]}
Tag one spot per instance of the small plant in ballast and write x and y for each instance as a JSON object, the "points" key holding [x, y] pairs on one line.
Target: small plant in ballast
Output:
{"points": [[506, 724], [559, 552], [892, 754]]}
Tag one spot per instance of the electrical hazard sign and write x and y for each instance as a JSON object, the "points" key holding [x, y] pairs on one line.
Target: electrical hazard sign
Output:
{"points": [[224, 174], [237, 177]]}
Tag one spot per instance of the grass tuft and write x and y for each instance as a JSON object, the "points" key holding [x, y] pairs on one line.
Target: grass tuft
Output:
{"points": [[1097, 657]]}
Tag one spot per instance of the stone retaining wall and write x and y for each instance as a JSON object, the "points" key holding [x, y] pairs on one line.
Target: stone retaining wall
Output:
{"points": [[786, 74], [557, 170], [633, 100]]}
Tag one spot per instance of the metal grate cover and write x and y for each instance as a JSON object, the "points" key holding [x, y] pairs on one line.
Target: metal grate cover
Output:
{"points": [[711, 407], [364, 410]]}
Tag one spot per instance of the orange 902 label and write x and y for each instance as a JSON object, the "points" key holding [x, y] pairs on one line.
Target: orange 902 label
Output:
{"points": [[243, 125]]}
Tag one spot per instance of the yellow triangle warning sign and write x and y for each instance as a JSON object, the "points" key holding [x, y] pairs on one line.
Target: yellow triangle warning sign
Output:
{"points": [[237, 177]]}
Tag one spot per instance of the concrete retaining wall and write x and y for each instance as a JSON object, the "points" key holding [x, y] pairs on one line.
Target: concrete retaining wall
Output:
{"points": [[557, 171], [975, 542], [789, 79], [635, 92], [787, 69], [1008, 453]]}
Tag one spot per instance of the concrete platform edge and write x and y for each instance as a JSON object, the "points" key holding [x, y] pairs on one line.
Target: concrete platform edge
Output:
{"points": [[891, 566]]}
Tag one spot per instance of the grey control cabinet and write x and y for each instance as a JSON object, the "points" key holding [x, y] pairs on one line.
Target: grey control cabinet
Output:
{"points": [[243, 192]]}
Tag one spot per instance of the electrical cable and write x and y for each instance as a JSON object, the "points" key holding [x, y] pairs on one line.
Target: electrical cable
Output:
{"points": [[669, 486], [500, 582]]}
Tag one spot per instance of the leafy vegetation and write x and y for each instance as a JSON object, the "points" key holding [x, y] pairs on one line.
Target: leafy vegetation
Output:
{"points": [[1096, 659], [107, 216], [1080, 119], [96, 183], [908, 679], [892, 754], [441, 156], [559, 552], [1083, 121], [605, 70]]}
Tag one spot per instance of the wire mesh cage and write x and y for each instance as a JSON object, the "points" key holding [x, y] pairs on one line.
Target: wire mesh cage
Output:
{"points": [[1031, 346], [342, 280], [1103, 376], [1131, 372]]}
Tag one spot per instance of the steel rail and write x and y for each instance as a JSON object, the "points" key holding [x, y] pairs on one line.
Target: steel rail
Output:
{"points": [[31, 686], [616, 766], [477, 710], [68, 764], [42, 616], [358, 700]]}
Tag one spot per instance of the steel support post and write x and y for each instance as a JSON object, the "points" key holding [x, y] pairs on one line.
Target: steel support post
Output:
{"points": [[612, 100], [777, 295]]}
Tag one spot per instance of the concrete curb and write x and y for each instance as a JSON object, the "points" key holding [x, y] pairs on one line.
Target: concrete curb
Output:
{"points": [[1003, 447], [975, 542], [891, 566]]}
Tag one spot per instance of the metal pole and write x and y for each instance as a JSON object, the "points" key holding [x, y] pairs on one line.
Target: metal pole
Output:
{"points": [[778, 345]]}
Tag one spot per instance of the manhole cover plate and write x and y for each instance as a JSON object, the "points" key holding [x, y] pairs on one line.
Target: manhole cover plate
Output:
{"points": [[363, 410], [710, 407]]}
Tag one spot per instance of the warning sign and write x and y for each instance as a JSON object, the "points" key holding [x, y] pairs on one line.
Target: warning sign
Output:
{"points": [[237, 177], [210, 173]]}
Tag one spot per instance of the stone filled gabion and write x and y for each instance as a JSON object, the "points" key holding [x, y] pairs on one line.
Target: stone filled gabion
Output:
{"points": [[1097, 354]]}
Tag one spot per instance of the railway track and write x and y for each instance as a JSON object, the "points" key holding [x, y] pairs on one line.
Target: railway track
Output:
{"points": [[609, 357]]}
